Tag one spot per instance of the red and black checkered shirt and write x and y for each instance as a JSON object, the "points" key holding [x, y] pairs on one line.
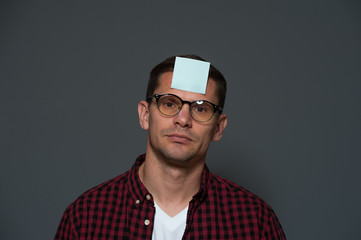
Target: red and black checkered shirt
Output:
{"points": [[122, 208]]}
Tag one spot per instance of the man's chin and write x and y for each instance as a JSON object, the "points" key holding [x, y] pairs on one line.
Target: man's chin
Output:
{"points": [[178, 158]]}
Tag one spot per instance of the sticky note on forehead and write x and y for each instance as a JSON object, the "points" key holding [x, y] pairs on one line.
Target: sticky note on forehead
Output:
{"points": [[190, 75]]}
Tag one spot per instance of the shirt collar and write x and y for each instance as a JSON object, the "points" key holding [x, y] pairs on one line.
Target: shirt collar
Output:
{"points": [[139, 192], [205, 182], [136, 188]]}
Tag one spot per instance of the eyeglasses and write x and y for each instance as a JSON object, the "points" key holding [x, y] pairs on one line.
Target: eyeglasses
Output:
{"points": [[200, 110]]}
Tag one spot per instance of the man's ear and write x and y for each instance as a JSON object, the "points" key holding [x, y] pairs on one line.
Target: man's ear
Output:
{"points": [[221, 125], [143, 112]]}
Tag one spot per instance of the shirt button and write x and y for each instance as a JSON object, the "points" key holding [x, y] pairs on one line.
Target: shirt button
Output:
{"points": [[148, 197], [137, 201], [146, 222]]}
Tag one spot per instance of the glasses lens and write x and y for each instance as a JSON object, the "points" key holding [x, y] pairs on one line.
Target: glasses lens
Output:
{"points": [[169, 105], [202, 111]]}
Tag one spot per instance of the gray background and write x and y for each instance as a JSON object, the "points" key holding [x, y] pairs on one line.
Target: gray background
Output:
{"points": [[72, 73]]}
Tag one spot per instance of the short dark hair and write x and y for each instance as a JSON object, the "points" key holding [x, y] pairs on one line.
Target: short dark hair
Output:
{"points": [[168, 66]]}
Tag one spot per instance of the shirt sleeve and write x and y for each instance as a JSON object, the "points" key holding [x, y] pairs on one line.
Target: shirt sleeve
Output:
{"points": [[66, 228], [273, 228]]}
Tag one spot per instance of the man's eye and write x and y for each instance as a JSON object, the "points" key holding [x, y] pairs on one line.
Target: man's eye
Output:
{"points": [[169, 105], [200, 109]]}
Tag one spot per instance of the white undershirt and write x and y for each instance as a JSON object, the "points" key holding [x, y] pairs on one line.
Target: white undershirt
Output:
{"points": [[166, 227]]}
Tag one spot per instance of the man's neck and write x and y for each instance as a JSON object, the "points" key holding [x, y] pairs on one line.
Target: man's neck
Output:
{"points": [[172, 187]]}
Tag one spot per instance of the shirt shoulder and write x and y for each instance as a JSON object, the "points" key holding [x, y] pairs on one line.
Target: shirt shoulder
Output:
{"points": [[107, 191], [244, 208], [228, 187], [240, 201], [86, 214]]}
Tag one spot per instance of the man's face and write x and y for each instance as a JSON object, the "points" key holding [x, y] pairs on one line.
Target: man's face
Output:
{"points": [[180, 139]]}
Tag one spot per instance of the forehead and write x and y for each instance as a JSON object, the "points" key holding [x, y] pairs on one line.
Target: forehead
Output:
{"points": [[164, 86]]}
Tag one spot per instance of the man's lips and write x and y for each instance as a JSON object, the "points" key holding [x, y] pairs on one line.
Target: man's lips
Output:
{"points": [[181, 138]]}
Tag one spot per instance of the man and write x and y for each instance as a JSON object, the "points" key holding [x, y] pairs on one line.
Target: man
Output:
{"points": [[169, 193]]}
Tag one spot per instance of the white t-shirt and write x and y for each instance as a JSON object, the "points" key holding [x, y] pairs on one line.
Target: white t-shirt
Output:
{"points": [[166, 227]]}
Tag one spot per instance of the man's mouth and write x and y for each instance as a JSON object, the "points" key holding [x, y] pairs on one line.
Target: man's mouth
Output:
{"points": [[179, 138]]}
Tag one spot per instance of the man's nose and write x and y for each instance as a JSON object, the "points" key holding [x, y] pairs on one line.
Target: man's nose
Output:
{"points": [[183, 118]]}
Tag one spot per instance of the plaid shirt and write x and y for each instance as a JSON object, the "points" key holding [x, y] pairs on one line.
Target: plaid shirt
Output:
{"points": [[122, 208]]}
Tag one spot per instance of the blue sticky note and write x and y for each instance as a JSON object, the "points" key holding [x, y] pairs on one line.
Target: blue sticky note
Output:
{"points": [[190, 75]]}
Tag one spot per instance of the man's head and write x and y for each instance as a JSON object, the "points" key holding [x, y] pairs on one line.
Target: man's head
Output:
{"points": [[168, 66], [179, 137]]}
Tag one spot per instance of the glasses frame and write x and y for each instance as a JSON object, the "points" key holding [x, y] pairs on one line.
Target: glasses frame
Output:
{"points": [[158, 96]]}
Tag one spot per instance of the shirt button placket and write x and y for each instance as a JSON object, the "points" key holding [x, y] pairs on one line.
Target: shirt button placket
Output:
{"points": [[147, 221]]}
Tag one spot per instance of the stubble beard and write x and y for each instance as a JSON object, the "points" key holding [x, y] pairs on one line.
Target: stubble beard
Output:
{"points": [[172, 153]]}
